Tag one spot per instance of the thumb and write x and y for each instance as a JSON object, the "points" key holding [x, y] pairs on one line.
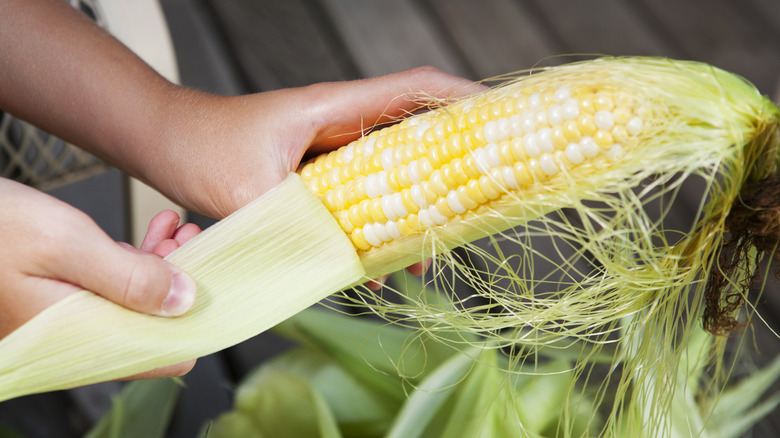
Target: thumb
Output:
{"points": [[139, 281]]}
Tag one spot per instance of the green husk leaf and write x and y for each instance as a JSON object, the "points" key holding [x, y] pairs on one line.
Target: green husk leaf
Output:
{"points": [[142, 409], [86, 339]]}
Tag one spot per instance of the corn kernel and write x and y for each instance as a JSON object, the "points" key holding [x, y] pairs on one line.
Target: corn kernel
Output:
{"points": [[458, 172], [355, 218], [437, 184], [402, 176], [586, 124], [448, 177], [403, 227], [470, 166], [455, 146], [472, 118], [406, 199], [604, 139], [428, 193], [558, 138], [487, 188], [604, 102], [465, 199], [364, 209], [444, 208], [473, 191], [571, 131], [358, 240], [343, 219], [375, 210], [522, 174]]}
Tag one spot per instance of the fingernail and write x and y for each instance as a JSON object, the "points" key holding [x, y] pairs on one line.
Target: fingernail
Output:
{"points": [[180, 297]]}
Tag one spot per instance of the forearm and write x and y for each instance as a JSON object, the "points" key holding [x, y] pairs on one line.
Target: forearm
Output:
{"points": [[59, 71]]}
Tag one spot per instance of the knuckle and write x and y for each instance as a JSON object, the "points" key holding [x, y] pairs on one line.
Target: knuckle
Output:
{"points": [[144, 288]]}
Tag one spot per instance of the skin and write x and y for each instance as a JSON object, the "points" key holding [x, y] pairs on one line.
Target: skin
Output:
{"points": [[211, 154]]}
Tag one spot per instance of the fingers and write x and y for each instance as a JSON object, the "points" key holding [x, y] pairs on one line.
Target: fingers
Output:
{"points": [[139, 281], [420, 268], [165, 236], [349, 108], [174, 370], [186, 232], [377, 283], [161, 227], [415, 269]]}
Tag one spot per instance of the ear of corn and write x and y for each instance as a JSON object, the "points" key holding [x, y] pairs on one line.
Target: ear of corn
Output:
{"points": [[514, 153], [590, 131]]}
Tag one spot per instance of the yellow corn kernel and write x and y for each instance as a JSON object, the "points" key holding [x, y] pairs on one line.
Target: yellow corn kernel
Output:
{"points": [[358, 240]]}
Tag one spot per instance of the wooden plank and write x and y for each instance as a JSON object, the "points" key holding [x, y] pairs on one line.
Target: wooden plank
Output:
{"points": [[101, 198], [385, 37], [280, 44], [721, 33], [495, 36], [202, 55], [765, 13], [610, 27]]}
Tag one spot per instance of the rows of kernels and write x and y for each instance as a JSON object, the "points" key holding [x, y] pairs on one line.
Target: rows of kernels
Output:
{"points": [[426, 170]]}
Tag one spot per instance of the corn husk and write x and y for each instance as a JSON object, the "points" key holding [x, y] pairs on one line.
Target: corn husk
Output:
{"points": [[254, 269]]}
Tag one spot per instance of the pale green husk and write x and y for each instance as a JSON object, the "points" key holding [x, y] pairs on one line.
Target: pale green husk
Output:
{"points": [[251, 268]]}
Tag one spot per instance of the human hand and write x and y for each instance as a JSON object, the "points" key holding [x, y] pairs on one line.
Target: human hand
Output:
{"points": [[51, 250], [216, 154], [222, 152]]}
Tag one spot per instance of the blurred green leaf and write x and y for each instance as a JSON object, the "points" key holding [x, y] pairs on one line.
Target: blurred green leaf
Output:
{"points": [[737, 409], [417, 289], [380, 354], [275, 403], [541, 396], [359, 409], [7, 432], [484, 406], [233, 424], [142, 409], [423, 404]]}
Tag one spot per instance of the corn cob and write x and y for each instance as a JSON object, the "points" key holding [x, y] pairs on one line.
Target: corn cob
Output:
{"points": [[431, 182], [426, 170], [511, 154]]}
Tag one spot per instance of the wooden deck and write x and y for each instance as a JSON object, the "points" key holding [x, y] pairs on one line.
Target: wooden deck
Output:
{"points": [[239, 46]]}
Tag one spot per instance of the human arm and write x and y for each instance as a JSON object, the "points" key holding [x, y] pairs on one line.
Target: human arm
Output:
{"points": [[212, 154]]}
